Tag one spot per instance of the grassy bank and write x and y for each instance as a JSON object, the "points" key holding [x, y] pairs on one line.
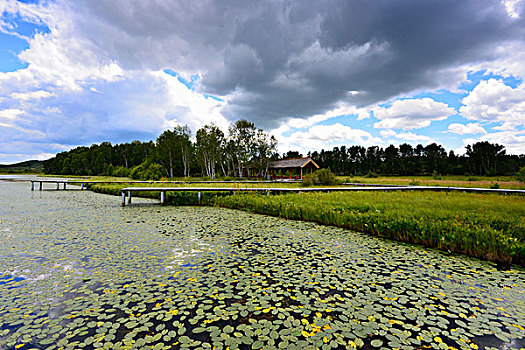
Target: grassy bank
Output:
{"points": [[486, 226], [508, 182], [489, 227]]}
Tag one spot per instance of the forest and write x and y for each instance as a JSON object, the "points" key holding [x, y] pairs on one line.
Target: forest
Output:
{"points": [[211, 153]]}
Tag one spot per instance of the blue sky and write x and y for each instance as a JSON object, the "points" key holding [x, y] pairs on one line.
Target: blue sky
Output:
{"points": [[316, 74]]}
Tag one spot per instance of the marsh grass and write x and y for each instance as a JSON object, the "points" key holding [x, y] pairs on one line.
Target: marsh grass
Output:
{"points": [[507, 182], [490, 227], [486, 226]]}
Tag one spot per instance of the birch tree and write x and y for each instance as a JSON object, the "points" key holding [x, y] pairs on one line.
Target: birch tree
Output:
{"points": [[209, 144]]}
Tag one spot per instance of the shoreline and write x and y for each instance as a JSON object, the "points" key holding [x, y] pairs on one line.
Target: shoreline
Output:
{"points": [[483, 237]]}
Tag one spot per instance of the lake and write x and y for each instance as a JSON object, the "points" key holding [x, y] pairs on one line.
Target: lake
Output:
{"points": [[79, 271]]}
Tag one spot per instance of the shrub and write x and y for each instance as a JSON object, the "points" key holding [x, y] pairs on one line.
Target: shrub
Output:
{"points": [[325, 177], [520, 175], [147, 171], [371, 174], [308, 180], [320, 177], [109, 170], [436, 175], [120, 171], [494, 186]]}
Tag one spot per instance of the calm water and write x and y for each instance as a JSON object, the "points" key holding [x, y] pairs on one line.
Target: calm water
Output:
{"points": [[79, 271]]}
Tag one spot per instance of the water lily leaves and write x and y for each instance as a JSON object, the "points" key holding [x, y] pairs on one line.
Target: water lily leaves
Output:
{"points": [[376, 343], [210, 277]]}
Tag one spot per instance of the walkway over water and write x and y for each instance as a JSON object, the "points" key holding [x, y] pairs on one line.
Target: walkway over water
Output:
{"points": [[84, 184], [279, 190]]}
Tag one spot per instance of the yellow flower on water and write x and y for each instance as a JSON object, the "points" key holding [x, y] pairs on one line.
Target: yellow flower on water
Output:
{"points": [[325, 339], [305, 334], [438, 340]]}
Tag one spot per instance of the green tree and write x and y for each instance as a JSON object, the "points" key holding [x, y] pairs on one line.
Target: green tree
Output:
{"points": [[242, 136], [167, 151], [209, 146], [264, 147], [484, 157], [183, 140]]}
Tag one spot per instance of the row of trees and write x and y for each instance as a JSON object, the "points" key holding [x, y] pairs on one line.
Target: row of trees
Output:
{"points": [[481, 158], [174, 154]]}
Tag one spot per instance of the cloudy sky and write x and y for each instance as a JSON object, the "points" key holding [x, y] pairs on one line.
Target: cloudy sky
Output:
{"points": [[316, 74]]}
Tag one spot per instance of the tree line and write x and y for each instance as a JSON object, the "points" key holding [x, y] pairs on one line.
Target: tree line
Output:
{"points": [[481, 158], [175, 154], [211, 153]]}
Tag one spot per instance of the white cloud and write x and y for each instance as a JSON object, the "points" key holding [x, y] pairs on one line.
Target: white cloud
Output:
{"points": [[493, 101], [320, 137], [513, 7], [408, 137], [10, 114], [97, 74], [341, 110], [32, 95], [514, 141], [411, 114], [462, 129]]}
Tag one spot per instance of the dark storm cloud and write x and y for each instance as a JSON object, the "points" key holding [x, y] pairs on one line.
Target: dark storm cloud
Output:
{"points": [[280, 59]]}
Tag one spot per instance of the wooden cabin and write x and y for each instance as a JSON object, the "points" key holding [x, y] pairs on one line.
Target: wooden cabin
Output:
{"points": [[293, 168]]}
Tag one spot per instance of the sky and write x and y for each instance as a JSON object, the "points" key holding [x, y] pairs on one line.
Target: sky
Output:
{"points": [[316, 74]]}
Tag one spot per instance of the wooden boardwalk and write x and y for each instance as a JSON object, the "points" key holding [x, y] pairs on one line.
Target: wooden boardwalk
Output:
{"points": [[84, 184], [127, 192], [163, 190]]}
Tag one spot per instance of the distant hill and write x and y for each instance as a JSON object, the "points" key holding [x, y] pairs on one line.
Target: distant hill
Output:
{"points": [[29, 166]]}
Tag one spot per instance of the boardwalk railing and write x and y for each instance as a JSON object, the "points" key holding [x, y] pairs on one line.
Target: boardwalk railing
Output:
{"points": [[84, 184], [163, 190]]}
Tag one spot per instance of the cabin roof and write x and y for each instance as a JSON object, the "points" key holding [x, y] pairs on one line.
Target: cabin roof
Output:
{"points": [[293, 163]]}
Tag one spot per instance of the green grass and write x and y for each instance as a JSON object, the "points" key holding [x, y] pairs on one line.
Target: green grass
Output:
{"points": [[508, 182], [504, 182], [486, 226]]}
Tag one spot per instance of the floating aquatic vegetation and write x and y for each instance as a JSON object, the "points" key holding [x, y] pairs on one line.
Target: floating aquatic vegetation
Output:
{"points": [[78, 272]]}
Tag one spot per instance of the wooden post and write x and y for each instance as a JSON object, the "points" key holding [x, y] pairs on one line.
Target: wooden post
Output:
{"points": [[58, 185], [32, 186], [290, 173], [123, 203], [162, 197], [199, 197], [301, 173], [81, 185], [64, 185], [311, 170], [129, 197], [40, 185]]}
